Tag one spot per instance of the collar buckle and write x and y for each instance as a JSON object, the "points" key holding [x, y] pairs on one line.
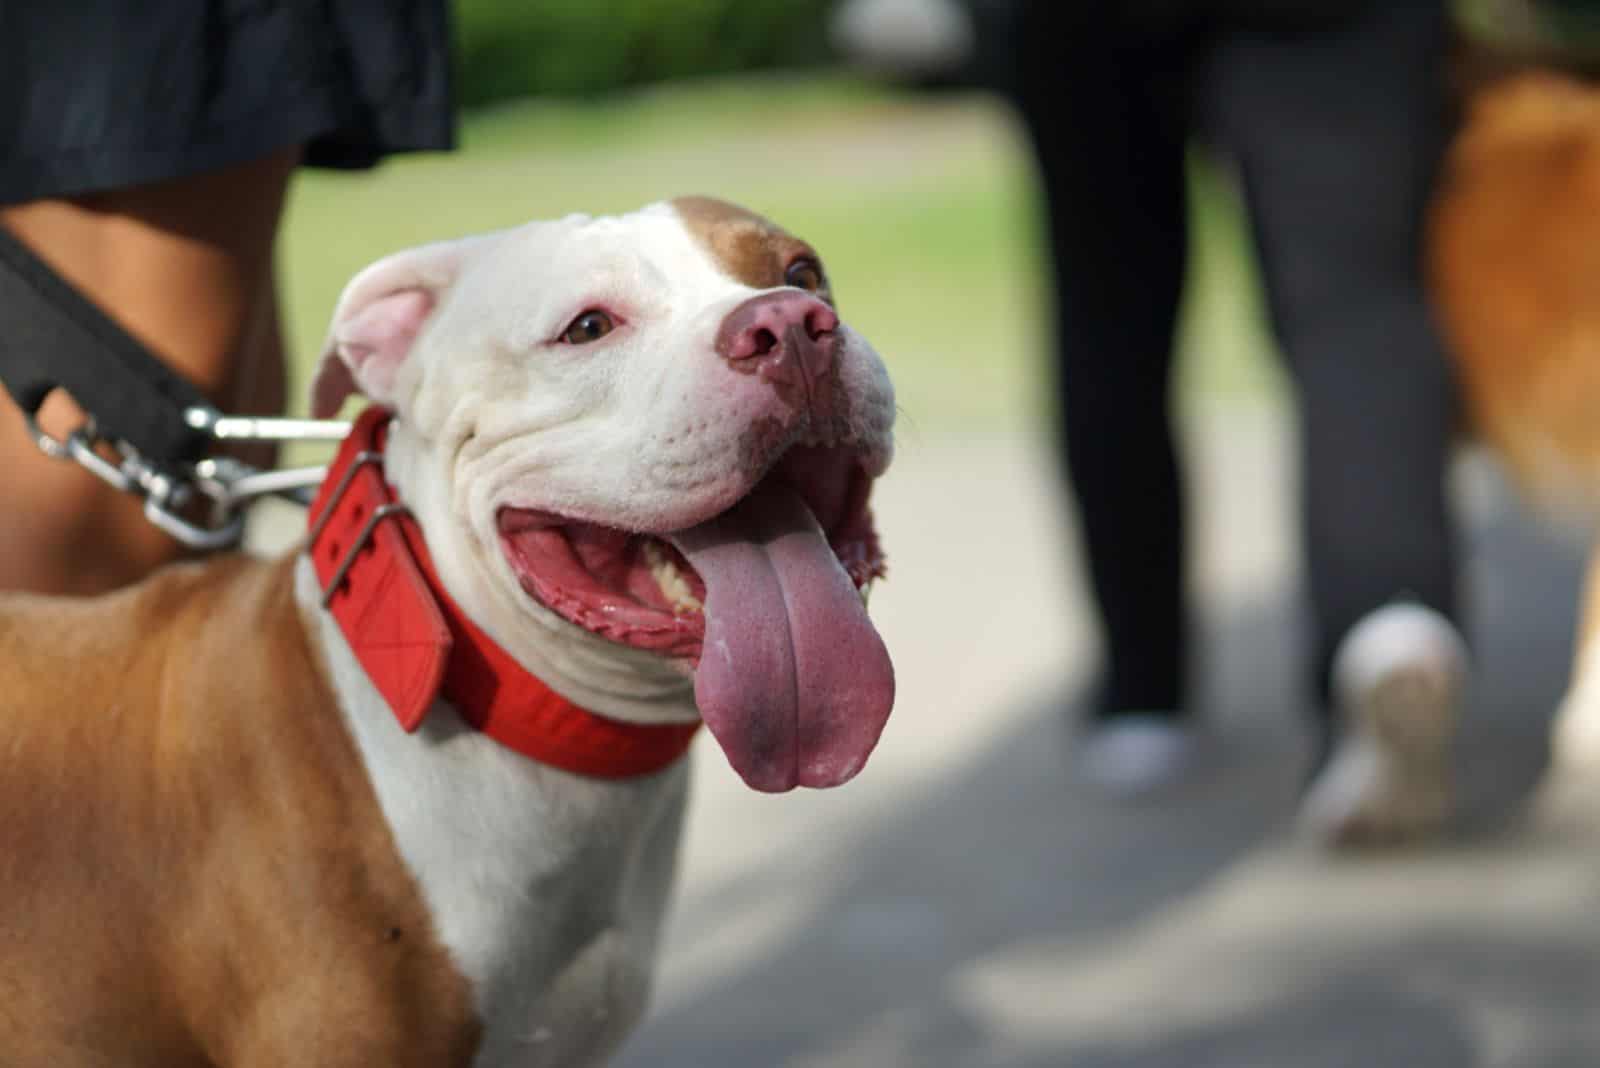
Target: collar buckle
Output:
{"points": [[364, 535], [363, 459]]}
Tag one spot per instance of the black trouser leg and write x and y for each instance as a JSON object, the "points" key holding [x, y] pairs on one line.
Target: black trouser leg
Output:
{"points": [[1338, 134], [1104, 110]]}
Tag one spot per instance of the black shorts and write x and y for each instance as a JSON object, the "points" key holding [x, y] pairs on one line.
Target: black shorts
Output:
{"points": [[104, 94]]}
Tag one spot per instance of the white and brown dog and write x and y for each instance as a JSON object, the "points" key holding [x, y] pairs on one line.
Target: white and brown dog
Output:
{"points": [[1514, 253], [424, 810]]}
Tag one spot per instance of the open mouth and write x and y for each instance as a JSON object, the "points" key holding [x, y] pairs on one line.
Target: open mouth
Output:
{"points": [[763, 602], [640, 590]]}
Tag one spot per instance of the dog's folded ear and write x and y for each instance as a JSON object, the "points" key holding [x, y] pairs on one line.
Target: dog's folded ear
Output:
{"points": [[377, 320]]}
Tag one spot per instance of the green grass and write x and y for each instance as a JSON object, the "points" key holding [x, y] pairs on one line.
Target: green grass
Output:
{"points": [[923, 208]]}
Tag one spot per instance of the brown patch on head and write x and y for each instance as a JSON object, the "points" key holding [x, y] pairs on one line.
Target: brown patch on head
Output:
{"points": [[747, 247]]}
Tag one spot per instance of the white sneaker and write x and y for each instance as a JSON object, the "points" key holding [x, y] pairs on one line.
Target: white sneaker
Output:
{"points": [[908, 38], [1134, 755], [1397, 678]]}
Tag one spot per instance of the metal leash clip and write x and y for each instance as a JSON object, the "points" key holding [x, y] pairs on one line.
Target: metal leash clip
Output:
{"points": [[167, 495], [201, 504]]}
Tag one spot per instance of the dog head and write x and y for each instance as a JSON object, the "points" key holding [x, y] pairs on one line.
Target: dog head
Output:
{"points": [[640, 449]]}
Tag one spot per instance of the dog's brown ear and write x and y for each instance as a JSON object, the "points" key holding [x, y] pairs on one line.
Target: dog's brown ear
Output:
{"points": [[377, 320]]}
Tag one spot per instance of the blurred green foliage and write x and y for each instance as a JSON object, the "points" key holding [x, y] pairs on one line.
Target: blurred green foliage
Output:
{"points": [[1554, 27], [516, 48]]}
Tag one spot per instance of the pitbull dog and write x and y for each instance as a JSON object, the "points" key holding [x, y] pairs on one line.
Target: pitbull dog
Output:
{"points": [[636, 453]]}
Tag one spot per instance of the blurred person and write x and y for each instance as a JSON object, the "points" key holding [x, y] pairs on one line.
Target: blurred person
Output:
{"points": [[147, 155], [1334, 114]]}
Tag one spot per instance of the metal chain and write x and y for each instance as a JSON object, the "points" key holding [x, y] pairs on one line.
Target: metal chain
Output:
{"points": [[221, 487]]}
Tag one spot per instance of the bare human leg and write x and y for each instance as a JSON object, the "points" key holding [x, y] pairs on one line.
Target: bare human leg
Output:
{"points": [[186, 266]]}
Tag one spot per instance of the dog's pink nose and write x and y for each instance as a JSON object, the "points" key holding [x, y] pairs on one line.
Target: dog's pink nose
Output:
{"points": [[788, 339]]}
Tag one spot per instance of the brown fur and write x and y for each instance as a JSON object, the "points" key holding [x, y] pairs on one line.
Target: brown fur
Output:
{"points": [[1515, 264], [193, 865], [749, 248]]}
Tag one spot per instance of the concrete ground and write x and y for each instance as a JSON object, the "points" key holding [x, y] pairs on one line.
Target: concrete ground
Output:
{"points": [[965, 902]]}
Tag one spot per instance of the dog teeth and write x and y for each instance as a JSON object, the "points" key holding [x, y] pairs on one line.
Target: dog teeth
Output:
{"points": [[670, 580]]}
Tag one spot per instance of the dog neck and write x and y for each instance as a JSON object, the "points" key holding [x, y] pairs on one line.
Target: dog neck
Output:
{"points": [[501, 847], [415, 642]]}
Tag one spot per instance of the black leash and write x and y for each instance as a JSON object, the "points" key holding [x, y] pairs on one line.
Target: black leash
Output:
{"points": [[52, 336], [155, 424]]}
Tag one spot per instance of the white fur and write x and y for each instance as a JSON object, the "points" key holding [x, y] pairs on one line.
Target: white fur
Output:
{"points": [[548, 888]]}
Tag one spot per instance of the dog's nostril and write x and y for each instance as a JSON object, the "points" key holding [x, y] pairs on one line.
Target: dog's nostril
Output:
{"points": [[820, 321], [763, 327]]}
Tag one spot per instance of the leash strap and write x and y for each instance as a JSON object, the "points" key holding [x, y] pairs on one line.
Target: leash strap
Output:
{"points": [[148, 428], [52, 336]]}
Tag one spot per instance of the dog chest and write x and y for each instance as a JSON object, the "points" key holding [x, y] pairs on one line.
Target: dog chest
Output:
{"points": [[547, 889]]}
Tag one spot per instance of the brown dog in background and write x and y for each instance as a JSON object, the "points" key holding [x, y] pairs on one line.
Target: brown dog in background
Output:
{"points": [[1514, 259]]}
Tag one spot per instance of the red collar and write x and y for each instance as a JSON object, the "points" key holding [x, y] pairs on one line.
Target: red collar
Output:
{"points": [[415, 644]]}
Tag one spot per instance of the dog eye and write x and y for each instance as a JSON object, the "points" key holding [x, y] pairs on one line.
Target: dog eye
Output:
{"points": [[804, 273], [590, 326]]}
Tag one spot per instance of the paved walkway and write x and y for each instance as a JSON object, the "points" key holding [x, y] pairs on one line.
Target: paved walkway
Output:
{"points": [[964, 903]]}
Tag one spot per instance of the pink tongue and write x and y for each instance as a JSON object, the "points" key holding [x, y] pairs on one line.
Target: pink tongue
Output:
{"points": [[793, 680]]}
